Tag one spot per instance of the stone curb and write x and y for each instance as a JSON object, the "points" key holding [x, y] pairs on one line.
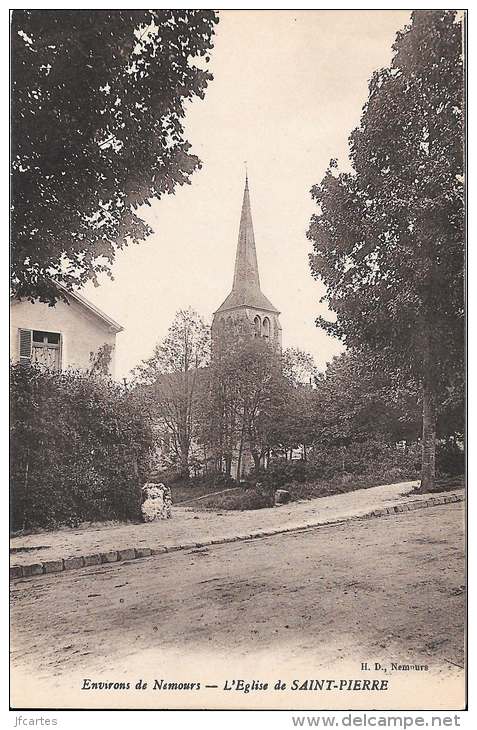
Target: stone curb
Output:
{"points": [[114, 556]]}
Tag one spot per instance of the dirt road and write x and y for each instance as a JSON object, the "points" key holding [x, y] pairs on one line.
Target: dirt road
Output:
{"points": [[301, 604]]}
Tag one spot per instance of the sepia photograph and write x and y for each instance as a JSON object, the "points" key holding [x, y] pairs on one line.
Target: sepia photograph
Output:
{"points": [[238, 359]]}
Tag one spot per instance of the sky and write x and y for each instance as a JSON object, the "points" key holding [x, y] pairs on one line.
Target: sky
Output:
{"points": [[288, 89]]}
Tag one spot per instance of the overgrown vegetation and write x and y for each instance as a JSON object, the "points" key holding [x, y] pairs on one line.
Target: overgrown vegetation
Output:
{"points": [[388, 236], [80, 449], [98, 101]]}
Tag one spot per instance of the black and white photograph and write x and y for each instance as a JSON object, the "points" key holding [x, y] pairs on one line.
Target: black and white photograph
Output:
{"points": [[237, 307]]}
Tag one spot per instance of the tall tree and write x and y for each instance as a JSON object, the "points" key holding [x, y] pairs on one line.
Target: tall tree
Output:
{"points": [[169, 380], [355, 402], [247, 397], [388, 237], [98, 102]]}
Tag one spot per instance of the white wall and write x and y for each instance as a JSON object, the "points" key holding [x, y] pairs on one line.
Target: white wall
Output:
{"points": [[82, 332]]}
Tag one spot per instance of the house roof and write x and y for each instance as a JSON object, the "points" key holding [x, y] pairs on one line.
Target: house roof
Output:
{"points": [[112, 324], [91, 308]]}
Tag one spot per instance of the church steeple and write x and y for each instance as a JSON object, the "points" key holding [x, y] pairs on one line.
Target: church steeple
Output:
{"points": [[246, 275], [246, 290]]}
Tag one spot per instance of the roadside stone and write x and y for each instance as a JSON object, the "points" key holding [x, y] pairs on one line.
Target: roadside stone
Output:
{"points": [[109, 557], [53, 566], [159, 550], [157, 502], [74, 563], [282, 496], [245, 530], [33, 569], [127, 554], [143, 552]]}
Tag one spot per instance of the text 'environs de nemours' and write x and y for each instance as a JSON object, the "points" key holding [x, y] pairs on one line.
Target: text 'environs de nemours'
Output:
{"points": [[246, 686]]}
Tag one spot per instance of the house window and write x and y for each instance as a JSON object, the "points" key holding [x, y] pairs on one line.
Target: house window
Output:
{"points": [[41, 348], [257, 324]]}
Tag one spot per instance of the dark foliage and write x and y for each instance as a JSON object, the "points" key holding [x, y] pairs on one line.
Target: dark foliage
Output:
{"points": [[80, 449], [388, 237], [450, 459], [98, 102], [244, 499]]}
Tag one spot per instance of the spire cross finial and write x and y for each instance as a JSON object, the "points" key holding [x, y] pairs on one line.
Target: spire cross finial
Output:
{"points": [[246, 169]]}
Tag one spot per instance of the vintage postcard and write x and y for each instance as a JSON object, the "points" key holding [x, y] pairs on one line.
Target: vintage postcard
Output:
{"points": [[237, 358]]}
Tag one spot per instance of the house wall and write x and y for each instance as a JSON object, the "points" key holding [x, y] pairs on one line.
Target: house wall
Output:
{"points": [[82, 332]]}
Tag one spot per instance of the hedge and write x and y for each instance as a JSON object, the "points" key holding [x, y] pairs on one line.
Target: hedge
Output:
{"points": [[80, 449]]}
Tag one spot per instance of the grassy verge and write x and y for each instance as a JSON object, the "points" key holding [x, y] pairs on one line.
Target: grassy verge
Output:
{"points": [[444, 485], [251, 498]]}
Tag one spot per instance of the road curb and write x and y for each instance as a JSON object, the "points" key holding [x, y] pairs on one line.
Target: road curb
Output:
{"points": [[127, 554]]}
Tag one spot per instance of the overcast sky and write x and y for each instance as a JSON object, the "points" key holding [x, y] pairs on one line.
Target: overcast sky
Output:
{"points": [[288, 89]]}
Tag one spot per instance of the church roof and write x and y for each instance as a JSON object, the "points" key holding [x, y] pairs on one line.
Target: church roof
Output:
{"points": [[246, 290]]}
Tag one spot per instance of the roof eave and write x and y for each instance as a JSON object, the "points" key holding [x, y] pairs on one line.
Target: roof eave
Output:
{"points": [[111, 323]]}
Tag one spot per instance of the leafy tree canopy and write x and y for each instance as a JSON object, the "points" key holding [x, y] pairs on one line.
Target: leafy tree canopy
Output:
{"points": [[388, 237], [169, 381], [98, 103], [185, 347]]}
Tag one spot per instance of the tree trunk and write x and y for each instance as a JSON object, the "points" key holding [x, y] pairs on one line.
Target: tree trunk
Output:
{"points": [[228, 465], [240, 453], [184, 462], [256, 460], [428, 469]]}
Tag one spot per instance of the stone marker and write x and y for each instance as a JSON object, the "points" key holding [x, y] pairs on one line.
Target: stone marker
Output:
{"points": [[157, 502], [282, 496]]}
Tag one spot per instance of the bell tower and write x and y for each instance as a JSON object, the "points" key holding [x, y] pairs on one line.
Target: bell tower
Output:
{"points": [[247, 312]]}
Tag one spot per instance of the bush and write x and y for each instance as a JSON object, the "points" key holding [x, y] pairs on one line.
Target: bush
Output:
{"points": [[281, 472], [80, 449], [450, 459], [365, 459], [239, 499]]}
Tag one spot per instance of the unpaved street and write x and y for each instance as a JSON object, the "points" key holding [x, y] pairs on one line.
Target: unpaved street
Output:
{"points": [[380, 590]]}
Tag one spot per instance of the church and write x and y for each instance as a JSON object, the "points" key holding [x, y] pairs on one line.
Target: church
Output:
{"points": [[247, 312]]}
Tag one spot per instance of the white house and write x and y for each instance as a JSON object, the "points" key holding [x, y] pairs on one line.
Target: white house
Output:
{"points": [[65, 336]]}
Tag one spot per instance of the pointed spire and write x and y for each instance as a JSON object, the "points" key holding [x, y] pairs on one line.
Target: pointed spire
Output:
{"points": [[246, 290], [246, 276]]}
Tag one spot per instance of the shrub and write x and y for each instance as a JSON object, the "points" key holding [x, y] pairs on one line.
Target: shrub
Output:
{"points": [[80, 449], [450, 459], [240, 499], [366, 458], [281, 472]]}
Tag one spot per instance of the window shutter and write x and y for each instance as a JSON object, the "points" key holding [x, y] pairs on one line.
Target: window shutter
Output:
{"points": [[25, 347]]}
